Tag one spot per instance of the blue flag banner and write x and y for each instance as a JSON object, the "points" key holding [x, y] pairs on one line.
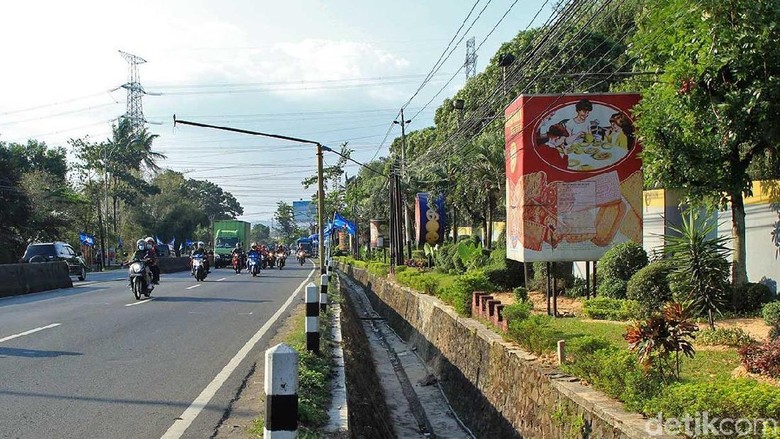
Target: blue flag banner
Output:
{"points": [[87, 239], [119, 244], [172, 241], [159, 241], [340, 222], [189, 243]]}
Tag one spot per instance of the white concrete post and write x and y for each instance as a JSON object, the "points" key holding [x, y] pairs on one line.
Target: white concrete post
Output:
{"points": [[561, 352], [323, 292], [312, 319], [281, 392]]}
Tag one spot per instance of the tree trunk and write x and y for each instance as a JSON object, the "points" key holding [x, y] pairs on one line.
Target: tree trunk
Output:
{"points": [[739, 265], [489, 233]]}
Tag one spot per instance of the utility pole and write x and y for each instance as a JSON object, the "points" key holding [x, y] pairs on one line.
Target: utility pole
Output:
{"points": [[321, 209], [135, 91], [407, 218]]}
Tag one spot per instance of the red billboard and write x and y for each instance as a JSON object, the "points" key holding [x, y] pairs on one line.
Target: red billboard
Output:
{"points": [[574, 179]]}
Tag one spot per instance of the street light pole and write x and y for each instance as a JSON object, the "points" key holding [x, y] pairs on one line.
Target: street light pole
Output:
{"points": [[321, 209], [407, 218]]}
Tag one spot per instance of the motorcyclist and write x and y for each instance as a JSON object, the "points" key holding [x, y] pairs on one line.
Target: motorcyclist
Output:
{"points": [[155, 269], [238, 250], [253, 251], [200, 249], [142, 253]]}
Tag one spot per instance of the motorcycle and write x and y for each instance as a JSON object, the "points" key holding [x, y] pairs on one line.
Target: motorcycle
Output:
{"points": [[140, 278], [198, 268], [236, 262], [253, 265], [280, 259], [271, 259], [301, 257]]}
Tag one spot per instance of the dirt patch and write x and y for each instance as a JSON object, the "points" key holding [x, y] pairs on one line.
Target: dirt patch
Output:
{"points": [[741, 372], [756, 327], [565, 304]]}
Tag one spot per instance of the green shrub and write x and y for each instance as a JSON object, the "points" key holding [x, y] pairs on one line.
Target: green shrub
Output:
{"points": [[586, 345], [612, 288], [534, 333], [460, 292], [649, 287], [518, 311], [378, 268], [576, 289], [614, 371], [605, 308], [725, 398], [771, 313], [622, 261], [520, 293], [733, 337], [750, 297], [400, 268], [418, 254]]}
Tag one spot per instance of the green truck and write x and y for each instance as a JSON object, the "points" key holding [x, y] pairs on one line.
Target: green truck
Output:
{"points": [[226, 234]]}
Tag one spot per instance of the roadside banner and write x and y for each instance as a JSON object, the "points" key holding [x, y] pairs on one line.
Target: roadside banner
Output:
{"points": [[573, 176]]}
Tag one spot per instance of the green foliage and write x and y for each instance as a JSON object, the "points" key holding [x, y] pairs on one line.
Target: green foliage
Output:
{"points": [[576, 289], [701, 271], [605, 308], [533, 333], [649, 287], [617, 266], [750, 296], [520, 293], [771, 313], [612, 288], [284, 221], [732, 337], [459, 294], [724, 398], [518, 311], [506, 273], [613, 371], [471, 255], [378, 268]]}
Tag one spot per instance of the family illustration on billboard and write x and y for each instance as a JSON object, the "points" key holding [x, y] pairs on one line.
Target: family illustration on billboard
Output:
{"points": [[574, 138]]}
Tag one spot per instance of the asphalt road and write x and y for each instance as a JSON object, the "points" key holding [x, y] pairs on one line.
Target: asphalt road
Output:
{"points": [[92, 362]]}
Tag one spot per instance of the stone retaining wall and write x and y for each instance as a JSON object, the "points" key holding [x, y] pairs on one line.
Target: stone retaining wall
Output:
{"points": [[496, 388], [18, 279]]}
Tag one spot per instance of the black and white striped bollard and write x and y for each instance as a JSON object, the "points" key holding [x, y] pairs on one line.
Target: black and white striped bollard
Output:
{"points": [[330, 266], [323, 292], [281, 392], [312, 319]]}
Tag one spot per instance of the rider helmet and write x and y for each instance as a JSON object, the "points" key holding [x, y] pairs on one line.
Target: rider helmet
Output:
{"points": [[201, 244], [149, 240], [140, 244], [254, 246]]}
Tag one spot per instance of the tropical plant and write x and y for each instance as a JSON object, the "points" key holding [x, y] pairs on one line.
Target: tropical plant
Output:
{"points": [[700, 270], [471, 254], [655, 339]]}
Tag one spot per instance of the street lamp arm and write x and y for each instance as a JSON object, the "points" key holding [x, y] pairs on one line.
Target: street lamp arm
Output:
{"points": [[238, 130]]}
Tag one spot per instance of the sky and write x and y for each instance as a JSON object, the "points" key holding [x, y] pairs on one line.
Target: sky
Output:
{"points": [[331, 71]]}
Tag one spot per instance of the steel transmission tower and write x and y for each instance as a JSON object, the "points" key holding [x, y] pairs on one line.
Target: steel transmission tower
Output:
{"points": [[135, 91], [471, 59]]}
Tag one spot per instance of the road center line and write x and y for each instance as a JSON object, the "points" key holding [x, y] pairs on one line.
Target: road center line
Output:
{"points": [[140, 302], [183, 422], [31, 331], [194, 286]]}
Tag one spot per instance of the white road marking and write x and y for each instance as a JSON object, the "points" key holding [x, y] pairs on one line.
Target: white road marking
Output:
{"points": [[140, 302], [220, 280], [181, 423], [31, 331], [245, 313], [194, 286]]}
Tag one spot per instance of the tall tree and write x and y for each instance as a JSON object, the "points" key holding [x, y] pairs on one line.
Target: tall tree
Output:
{"points": [[285, 222], [712, 119], [261, 233]]}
